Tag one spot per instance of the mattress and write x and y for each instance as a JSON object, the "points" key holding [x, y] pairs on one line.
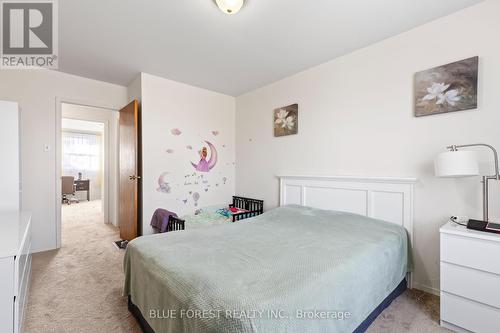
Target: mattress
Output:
{"points": [[291, 269]]}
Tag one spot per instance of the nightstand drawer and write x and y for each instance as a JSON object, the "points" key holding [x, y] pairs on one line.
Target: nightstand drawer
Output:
{"points": [[470, 252], [468, 314], [470, 283]]}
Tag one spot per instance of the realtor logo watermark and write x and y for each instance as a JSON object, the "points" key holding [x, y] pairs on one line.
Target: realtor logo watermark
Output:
{"points": [[29, 34]]}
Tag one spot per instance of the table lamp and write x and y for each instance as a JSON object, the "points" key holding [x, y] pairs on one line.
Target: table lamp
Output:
{"points": [[463, 163]]}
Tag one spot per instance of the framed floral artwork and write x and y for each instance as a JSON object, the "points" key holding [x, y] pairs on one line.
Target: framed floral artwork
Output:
{"points": [[448, 88], [286, 120]]}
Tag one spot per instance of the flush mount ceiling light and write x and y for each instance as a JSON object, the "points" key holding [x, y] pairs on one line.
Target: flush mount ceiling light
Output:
{"points": [[230, 6]]}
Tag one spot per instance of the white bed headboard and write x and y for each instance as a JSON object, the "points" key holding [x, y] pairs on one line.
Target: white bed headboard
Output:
{"points": [[388, 199]]}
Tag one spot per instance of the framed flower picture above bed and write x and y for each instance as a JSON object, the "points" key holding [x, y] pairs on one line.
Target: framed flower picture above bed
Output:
{"points": [[447, 88]]}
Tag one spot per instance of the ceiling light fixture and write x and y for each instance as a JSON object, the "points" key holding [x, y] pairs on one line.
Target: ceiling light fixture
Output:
{"points": [[230, 6]]}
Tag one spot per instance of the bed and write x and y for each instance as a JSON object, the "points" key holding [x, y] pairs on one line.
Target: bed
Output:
{"points": [[292, 269]]}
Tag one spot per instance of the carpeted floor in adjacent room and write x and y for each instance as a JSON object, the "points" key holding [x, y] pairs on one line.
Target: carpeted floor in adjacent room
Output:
{"points": [[78, 287]]}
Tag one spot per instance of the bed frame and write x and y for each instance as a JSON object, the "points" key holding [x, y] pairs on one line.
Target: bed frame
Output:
{"points": [[388, 199], [253, 207]]}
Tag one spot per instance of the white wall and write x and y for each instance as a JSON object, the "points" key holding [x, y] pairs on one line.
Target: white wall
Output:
{"points": [[134, 89], [110, 120], [196, 112], [356, 118], [36, 92]]}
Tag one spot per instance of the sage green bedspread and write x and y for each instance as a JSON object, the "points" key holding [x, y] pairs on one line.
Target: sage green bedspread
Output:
{"points": [[262, 274]]}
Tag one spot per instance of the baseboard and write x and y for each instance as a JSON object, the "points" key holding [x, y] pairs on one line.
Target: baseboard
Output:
{"points": [[425, 288], [453, 328], [33, 251]]}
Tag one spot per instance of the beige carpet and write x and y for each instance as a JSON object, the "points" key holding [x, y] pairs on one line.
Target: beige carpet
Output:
{"points": [[78, 287]]}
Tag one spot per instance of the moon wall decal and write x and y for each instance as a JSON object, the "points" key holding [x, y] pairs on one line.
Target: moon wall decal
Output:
{"points": [[204, 165]]}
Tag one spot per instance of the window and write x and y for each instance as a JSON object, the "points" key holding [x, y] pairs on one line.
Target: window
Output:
{"points": [[82, 152]]}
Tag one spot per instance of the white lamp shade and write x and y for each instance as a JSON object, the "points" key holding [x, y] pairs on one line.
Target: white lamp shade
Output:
{"points": [[456, 164], [230, 6]]}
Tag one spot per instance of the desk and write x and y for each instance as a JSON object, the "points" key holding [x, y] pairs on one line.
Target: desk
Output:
{"points": [[83, 185]]}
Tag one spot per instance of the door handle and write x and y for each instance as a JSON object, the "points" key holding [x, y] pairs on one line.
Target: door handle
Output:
{"points": [[134, 177]]}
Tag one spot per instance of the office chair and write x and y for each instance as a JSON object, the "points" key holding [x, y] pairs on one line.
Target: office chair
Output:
{"points": [[68, 190]]}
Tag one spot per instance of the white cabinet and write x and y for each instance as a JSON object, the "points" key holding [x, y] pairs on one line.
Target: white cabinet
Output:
{"points": [[15, 268], [15, 226], [470, 279], [9, 150]]}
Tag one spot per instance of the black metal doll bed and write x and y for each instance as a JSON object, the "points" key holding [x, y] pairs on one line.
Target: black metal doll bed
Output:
{"points": [[248, 207]]}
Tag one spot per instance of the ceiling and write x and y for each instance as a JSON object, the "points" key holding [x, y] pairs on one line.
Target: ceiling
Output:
{"points": [[191, 41]]}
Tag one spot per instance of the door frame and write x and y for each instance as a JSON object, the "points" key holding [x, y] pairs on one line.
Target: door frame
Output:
{"points": [[58, 155]]}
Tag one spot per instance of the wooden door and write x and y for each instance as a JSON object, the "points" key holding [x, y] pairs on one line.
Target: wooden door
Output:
{"points": [[130, 172]]}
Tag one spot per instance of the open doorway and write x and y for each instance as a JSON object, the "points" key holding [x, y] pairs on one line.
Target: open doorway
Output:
{"points": [[83, 160], [88, 162]]}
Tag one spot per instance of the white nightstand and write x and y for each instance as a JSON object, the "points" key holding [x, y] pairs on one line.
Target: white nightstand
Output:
{"points": [[470, 279]]}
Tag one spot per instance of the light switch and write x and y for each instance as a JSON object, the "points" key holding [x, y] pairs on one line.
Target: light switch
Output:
{"points": [[46, 147]]}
